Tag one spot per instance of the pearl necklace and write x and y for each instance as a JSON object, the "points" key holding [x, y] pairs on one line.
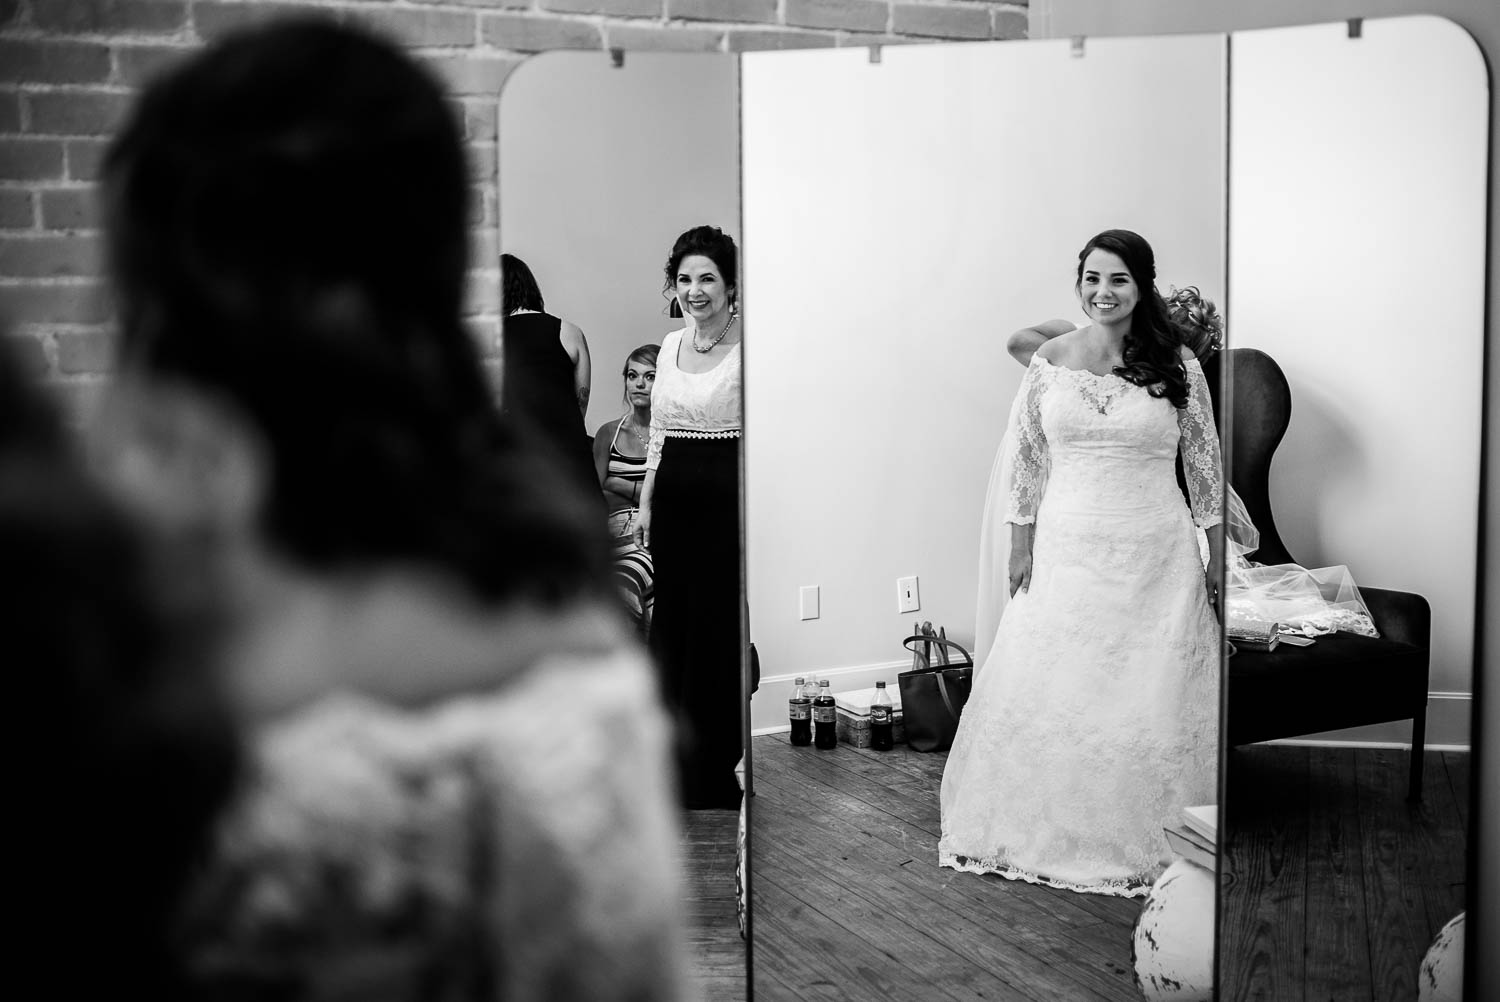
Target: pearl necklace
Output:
{"points": [[711, 344]]}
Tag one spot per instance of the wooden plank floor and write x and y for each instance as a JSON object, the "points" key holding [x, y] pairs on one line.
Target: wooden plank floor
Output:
{"points": [[1333, 885], [849, 902], [716, 951]]}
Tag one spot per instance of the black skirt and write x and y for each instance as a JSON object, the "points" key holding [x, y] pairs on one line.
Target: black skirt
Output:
{"points": [[695, 628]]}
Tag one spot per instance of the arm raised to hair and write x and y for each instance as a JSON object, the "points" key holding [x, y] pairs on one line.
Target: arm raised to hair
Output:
{"points": [[1024, 342]]}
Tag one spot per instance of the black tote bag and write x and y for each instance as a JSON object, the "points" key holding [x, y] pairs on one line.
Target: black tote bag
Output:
{"points": [[933, 696]]}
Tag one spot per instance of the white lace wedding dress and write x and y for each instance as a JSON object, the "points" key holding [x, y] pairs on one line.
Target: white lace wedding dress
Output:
{"points": [[1093, 720]]}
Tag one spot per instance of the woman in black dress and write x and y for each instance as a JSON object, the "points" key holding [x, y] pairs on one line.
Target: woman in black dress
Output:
{"points": [[545, 385], [690, 517]]}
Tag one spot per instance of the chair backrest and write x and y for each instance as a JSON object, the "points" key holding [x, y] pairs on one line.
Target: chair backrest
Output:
{"points": [[1260, 408]]}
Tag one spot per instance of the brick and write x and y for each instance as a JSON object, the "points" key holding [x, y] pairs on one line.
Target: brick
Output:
{"points": [[213, 20], [759, 41], [91, 17], [1009, 24], [482, 295], [527, 33], [854, 15], [483, 160], [85, 351], [30, 159], [616, 8], [85, 157], [476, 205], [640, 38], [73, 303], [10, 111], [481, 119], [81, 400], [932, 21], [76, 112], [29, 352], [865, 39], [491, 4], [35, 61], [743, 11], [472, 74], [484, 246], [136, 65], [485, 333], [49, 256], [70, 209], [419, 28], [16, 212]]}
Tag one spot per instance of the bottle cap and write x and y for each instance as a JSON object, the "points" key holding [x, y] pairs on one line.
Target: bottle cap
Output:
{"points": [[800, 681], [823, 682], [880, 685]]}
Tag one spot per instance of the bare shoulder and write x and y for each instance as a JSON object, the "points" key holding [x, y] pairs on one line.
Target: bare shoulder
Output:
{"points": [[1060, 348], [1185, 353]]}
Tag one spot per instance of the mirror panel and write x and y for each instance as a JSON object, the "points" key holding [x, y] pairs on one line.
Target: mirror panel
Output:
{"points": [[1356, 261], [901, 219], [600, 168]]}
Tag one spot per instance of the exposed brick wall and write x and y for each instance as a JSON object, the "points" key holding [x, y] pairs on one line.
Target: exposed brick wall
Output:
{"points": [[69, 69]]}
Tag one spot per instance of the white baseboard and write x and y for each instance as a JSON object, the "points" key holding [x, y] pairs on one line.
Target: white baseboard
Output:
{"points": [[768, 705], [1448, 713]]}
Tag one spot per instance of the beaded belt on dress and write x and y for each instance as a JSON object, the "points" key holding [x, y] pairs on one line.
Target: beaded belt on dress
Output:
{"points": [[699, 433]]}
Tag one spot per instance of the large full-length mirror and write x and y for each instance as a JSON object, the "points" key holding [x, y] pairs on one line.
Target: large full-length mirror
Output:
{"points": [[602, 168], [1356, 265], [908, 213], [902, 217]]}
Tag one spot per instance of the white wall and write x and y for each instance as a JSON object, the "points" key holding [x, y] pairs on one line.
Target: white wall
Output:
{"points": [[1357, 184], [901, 219], [600, 169]]}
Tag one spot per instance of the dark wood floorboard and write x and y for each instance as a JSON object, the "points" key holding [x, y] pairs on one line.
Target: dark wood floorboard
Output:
{"points": [[1333, 885], [850, 903], [716, 951]]}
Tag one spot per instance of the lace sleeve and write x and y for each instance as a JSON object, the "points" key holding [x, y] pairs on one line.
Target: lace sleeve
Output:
{"points": [[1027, 447], [1200, 450]]}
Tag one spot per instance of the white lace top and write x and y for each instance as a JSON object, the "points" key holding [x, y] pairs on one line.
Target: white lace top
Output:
{"points": [[1091, 437], [693, 404]]}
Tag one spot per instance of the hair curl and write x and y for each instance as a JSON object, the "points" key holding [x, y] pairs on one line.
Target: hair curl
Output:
{"points": [[1201, 325], [1150, 354]]}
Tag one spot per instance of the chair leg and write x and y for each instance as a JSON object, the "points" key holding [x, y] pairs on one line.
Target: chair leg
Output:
{"points": [[1418, 753]]}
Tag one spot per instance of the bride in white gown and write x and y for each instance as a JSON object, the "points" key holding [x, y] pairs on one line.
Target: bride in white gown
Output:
{"points": [[1093, 720]]}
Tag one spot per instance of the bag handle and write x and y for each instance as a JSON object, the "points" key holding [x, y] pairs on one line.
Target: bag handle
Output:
{"points": [[943, 641], [947, 700]]}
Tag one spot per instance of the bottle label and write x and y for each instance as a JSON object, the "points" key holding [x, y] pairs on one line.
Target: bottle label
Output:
{"points": [[801, 711], [825, 715], [880, 714]]}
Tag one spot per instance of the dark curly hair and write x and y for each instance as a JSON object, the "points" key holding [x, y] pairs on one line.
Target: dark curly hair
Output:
{"points": [[1199, 320], [712, 243], [1151, 351], [518, 288], [259, 250]]}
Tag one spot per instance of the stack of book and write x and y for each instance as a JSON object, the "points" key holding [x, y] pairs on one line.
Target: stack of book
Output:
{"points": [[1196, 838]]}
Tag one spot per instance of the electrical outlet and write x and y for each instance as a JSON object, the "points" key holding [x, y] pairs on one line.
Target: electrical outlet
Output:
{"points": [[809, 597], [907, 597]]}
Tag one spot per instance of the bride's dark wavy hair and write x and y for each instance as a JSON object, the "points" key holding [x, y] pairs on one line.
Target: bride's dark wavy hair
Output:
{"points": [[1150, 354]]}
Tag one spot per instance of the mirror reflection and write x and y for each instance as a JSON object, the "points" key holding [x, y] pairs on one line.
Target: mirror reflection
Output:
{"points": [[879, 408], [634, 361], [1357, 249]]}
